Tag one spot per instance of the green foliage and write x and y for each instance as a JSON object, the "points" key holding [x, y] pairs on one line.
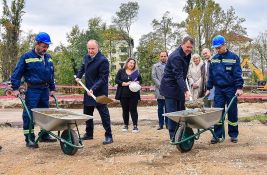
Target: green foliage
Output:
{"points": [[260, 50], [125, 17], [206, 19], [167, 31], [9, 48], [260, 118], [148, 54]]}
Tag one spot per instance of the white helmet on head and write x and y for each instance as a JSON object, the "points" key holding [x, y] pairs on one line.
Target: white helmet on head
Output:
{"points": [[134, 86]]}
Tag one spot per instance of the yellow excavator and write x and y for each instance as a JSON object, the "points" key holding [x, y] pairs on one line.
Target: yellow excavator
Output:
{"points": [[247, 65]]}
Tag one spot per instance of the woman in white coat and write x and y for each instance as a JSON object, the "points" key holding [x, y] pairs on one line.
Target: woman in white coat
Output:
{"points": [[195, 76]]}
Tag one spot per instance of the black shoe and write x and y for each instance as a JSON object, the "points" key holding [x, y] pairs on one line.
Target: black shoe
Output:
{"points": [[108, 140], [160, 128], [47, 138], [87, 137], [31, 144], [214, 140], [234, 139]]}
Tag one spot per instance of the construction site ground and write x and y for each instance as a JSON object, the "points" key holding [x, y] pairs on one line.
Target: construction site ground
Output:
{"points": [[147, 152]]}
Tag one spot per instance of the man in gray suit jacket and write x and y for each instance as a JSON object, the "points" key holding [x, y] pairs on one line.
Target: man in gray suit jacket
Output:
{"points": [[157, 74]]}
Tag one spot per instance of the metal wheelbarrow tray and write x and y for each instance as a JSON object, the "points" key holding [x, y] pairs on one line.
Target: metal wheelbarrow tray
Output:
{"points": [[54, 119], [197, 118], [200, 118]]}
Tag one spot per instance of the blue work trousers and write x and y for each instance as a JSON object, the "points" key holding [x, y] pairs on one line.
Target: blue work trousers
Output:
{"points": [[223, 96], [34, 98]]}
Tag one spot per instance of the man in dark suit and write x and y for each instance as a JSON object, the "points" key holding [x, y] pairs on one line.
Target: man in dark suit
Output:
{"points": [[173, 86], [95, 66]]}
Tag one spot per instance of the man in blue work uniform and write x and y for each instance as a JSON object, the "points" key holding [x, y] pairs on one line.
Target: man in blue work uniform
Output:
{"points": [[173, 86], [95, 66], [37, 68], [225, 74]]}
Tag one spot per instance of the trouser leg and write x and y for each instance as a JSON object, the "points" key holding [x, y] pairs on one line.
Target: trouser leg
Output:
{"points": [[105, 117], [161, 105], [133, 110], [89, 110], [232, 115], [125, 110], [219, 102], [172, 105], [32, 97]]}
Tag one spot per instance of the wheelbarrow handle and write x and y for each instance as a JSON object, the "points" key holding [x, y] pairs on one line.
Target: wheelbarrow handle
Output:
{"points": [[87, 90], [56, 100]]}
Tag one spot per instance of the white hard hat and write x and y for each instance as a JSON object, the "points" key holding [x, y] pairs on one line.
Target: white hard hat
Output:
{"points": [[134, 86]]}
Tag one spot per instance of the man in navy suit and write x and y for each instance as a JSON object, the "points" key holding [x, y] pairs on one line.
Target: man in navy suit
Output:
{"points": [[173, 86], [95, 66]]}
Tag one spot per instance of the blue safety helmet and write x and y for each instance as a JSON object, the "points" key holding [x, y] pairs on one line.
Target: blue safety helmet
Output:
{"points": [[43, 37], [218, 41]]}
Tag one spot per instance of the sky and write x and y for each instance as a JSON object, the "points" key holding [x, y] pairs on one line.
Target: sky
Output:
{"points": [[57, 17]]}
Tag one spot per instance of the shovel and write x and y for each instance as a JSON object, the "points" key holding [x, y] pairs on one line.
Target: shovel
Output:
{"points": [[100, 99], [198, 103]]}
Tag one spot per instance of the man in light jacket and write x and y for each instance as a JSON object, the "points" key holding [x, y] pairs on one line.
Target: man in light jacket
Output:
{"points": [[157, 74]]}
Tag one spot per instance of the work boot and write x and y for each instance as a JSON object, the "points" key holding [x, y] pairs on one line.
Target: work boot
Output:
{"points": [[87, 137], [31, 144], [214, 140], [47, 138]]}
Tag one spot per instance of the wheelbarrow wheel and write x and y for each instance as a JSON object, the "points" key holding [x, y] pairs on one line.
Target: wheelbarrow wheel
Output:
{"points": [[71, 138], [187, 145]]}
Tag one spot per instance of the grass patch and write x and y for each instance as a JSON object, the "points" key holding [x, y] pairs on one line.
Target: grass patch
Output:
{"points": [[260, 118], [2, 92]]}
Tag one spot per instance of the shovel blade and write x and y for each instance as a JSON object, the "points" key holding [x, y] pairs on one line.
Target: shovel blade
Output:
{"points": [[103, 99]]}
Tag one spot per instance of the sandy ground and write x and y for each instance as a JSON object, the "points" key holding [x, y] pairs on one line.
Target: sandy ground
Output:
{"points": [[146, 152]]}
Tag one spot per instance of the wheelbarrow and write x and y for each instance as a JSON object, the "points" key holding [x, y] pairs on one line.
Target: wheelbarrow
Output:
{"points": [[55, 119], [200, 119]]}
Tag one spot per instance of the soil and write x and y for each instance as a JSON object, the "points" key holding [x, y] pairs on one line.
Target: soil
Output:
{"points": [[147, 152]]}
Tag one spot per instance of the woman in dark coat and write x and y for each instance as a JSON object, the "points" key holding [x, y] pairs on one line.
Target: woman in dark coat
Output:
{"points": [[128, 99]]}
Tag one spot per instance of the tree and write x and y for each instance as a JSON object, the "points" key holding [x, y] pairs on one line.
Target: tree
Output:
{"points": [[125, 17], [206, 19], [260, 48], [165, 29], [10, 21], [69, 58], [148, 54]]}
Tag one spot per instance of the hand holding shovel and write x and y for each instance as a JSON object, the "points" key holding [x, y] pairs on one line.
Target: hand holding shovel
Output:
{"points": [[100, 99]]}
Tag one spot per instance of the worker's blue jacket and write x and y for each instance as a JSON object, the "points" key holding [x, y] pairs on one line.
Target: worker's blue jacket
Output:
{"points": [[38, 73], [225, 71]]}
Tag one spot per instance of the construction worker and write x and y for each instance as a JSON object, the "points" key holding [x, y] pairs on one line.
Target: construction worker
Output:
{"points": [[225, 74], [37, 68]]}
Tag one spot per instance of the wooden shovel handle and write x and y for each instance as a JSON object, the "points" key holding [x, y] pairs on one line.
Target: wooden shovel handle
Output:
{"points": [[87, 90]]}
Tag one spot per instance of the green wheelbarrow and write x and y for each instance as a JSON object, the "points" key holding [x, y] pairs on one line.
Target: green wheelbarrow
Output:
{"points": [[55, 119], [200, 119]]}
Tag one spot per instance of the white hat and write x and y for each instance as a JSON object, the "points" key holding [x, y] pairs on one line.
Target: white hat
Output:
{"points": [[134, 86]]}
